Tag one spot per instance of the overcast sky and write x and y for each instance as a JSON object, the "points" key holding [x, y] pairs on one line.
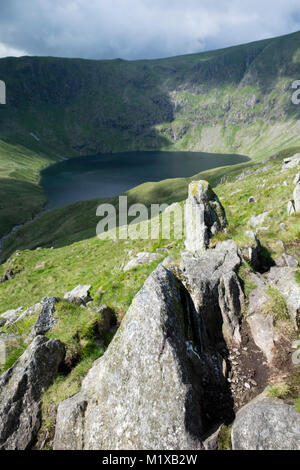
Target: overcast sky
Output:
{"points": [[134, 29]]}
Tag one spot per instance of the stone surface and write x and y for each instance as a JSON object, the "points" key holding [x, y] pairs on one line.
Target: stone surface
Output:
{"points": [[46, 319], [10, 316], [204, 217], [266, 424], [257, 220], [262, 330], [296, 197], [291, 162], [144, 392], [141, 258], [215, 290], [20, 392], [291, 208], [79, 295], [296, 179], [251, 251], [284, 280]]}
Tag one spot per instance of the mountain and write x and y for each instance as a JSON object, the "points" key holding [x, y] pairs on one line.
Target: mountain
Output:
{"points": [[228, 100], [234, 100]]}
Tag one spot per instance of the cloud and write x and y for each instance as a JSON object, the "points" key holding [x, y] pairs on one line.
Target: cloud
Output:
{"points": [[7, 51], [133, 29]]}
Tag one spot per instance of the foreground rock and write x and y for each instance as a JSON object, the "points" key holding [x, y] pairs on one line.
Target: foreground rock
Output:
{"points": [[20, 392], [141, 258], [266, 424], [79, 295], [204, 217], [216, 291], [144, 392]]}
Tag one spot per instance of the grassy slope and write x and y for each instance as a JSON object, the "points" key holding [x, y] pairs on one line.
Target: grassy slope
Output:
{"points": [[45, 272]]}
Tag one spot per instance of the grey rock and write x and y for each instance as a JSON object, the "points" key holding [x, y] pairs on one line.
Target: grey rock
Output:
{"points": [[291, 208], [21, 388], [266, 424], [284, 280], [46, 319], [204, 217], [143, 393], [79, 295], [251, 251], [282, 226], [215, 288], [10, 316], [290, 261], [296, 179], [296, 196], [141, 258], [257, 220], [291, 162], [262, 330]]}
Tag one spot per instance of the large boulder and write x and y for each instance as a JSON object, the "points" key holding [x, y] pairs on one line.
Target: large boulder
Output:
{"points": [[145, 392], [21, 388], [216, 291], [204, 217], [266, 424]]}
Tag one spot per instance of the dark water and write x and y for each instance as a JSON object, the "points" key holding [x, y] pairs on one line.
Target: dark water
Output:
{"points": [[108, 175]]}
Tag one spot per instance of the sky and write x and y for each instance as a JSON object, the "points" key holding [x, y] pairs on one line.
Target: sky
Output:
{"points": [[137, 29]]}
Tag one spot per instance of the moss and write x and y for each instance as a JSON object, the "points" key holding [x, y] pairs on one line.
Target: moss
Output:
{"points": [[276, 306], [224, 441]]}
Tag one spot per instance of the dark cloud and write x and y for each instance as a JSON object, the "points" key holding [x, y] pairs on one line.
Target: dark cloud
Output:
{"points": [[133, 29]]}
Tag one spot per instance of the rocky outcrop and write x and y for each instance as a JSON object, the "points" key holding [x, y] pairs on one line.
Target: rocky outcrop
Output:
{"points": [[20, 392], [144, 393], [266, 424], [46, 319], [216, 291], [141, 258], [80, 295], [204, 217]]}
